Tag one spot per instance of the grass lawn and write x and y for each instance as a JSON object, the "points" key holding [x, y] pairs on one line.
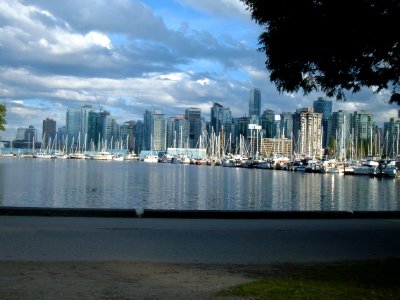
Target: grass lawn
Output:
{"points": [[350, 280]]}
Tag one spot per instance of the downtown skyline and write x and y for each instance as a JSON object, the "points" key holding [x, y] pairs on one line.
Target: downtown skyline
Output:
{"points": [[128, 56]]}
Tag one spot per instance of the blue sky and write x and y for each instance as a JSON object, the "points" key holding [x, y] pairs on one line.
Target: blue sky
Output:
{"points": [[126, 56]]}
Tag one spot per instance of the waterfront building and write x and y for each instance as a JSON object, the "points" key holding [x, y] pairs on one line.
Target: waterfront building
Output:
{"points": [[267, 122], [307, 132], [220, 117], [363, 125], [48, 131], [154, 135], [341, 131], [221, 124], [391, 138], [193, 115], [324, 107], [73, 124], [139, 136], [127, 135], [25, 138], [94, 129], [109, 130], [177, 132], [271, 147], [255, 102], [286, 124]]}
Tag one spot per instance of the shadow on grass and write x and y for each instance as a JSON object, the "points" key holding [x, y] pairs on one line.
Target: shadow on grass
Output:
{"points": [[346, 280]]}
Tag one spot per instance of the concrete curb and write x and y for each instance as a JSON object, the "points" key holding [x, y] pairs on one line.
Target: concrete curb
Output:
{"points": [[195, 214], [229, 214], [67, 212]]}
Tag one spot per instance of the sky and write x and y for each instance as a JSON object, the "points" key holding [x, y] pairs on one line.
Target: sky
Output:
{"points": [[126, 56]]}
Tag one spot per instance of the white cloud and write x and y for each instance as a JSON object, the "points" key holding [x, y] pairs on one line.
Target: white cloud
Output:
{"points": [[219, 8]]}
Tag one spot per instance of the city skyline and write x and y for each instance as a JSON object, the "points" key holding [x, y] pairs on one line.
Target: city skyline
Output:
{"points": [[170, 55]]}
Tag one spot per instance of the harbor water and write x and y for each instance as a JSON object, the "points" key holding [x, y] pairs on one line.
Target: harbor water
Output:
{"points": [[67, 183]]}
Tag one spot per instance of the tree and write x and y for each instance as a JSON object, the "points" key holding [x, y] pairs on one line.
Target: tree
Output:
{"points": [[330, 46], [2, 116]]}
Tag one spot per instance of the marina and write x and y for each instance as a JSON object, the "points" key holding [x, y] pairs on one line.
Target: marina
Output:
{"points": [[87, 183]]}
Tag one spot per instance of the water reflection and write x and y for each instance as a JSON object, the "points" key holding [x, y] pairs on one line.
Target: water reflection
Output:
{"points": [[97, 184]]}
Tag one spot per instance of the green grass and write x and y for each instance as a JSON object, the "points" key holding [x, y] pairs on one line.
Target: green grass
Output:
{"points": [[356, 280]]}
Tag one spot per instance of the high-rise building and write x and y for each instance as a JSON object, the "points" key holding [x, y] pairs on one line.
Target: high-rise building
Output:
{"points": [[73, 124], [324, 107], [127, 135], [286, 124], [77, 122], [267, 122], [220, 117], [110, 130], [307, 132], [49, 131], [177, 132], [94, 129], [391, 132], [193, 115], [363, 125], [154, 130], [255, 102], [139, 137], [341, 130]]}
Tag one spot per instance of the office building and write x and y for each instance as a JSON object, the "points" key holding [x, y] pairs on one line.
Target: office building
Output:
{"points": [[255, 102], [48, 131], [341, 131], [193, 115], [267, 122], [391, 136], [324, 107], [154, 135]]}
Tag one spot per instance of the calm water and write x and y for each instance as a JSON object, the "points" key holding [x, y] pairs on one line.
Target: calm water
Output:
{"points": [[112, 184]]}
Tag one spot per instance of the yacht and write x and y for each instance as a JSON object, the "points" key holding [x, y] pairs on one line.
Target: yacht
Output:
{"points": [[102, 155], [150, 158], [369, 167]]}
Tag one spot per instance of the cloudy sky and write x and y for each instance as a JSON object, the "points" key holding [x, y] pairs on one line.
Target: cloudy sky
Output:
{"points": [[126, 56]]}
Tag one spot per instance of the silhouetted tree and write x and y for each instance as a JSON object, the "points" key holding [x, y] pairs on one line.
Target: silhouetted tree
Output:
{"points": [[2, 116], [330, 46]]}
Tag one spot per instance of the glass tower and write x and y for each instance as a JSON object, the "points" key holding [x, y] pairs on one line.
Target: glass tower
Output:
{"points": [[255, 103]]}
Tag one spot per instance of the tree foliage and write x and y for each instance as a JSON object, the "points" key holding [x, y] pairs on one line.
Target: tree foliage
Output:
{"points": [[2, 116], [330, 46]]}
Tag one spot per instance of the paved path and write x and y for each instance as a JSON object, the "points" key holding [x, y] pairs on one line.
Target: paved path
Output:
{"points": [[197, 240]]}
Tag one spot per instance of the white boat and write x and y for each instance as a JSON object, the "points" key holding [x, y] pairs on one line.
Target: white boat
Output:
{"points": [[102, 155], [131, 156], [150, 158], [369, 167], [44, 155], [119, 157], [78, 155]]}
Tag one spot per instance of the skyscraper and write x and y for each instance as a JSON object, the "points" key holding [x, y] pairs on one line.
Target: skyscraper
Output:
{"points": [[49, 131], [255, 103], [267, 121], [287, 124], [220, 117], [177, 132], [193, 115], [341, 130], [73, 124], [391, 131], [307, 132], [324, 107], [154, 135]]}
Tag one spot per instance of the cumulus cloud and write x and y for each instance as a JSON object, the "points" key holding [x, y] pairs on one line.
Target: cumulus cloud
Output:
{"points": [[127, 56]]}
